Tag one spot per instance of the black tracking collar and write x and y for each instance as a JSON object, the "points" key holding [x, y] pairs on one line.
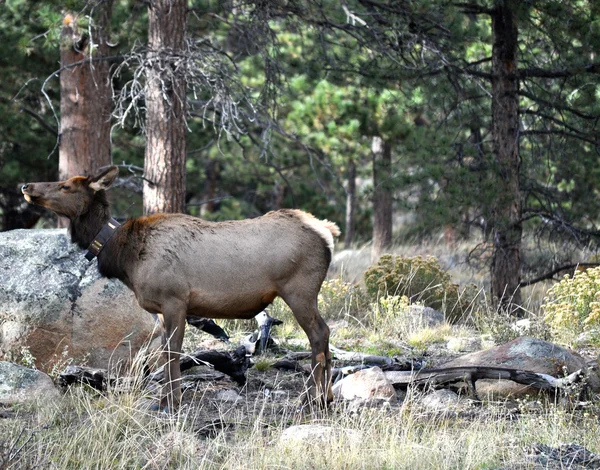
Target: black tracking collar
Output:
{"points": [[101, 239]]}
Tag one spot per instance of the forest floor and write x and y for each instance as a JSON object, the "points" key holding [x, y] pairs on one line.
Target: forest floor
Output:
{"points": [[222, 425]]}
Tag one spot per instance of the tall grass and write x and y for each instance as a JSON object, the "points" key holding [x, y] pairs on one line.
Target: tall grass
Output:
{"points": [[85, 430]]}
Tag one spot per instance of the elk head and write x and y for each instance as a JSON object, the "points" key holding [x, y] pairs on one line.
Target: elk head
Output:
{"points": [[70, 198]]}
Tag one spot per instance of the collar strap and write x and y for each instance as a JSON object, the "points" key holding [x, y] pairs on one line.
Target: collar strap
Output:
{"points": [[105, 233]]}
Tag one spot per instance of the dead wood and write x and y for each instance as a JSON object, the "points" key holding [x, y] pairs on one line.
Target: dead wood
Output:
{"points": [[290, 364], [351, 356], [233, 363], [469, 375], [95, 378]]}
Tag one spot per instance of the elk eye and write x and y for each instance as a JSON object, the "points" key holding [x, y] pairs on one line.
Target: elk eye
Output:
{"points": [[64, 187]]}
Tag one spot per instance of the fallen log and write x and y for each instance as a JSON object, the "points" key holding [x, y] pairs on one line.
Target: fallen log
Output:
{"points": [[290, 364], [233, 363], [95, 378], [469, 375], [351, 356]]}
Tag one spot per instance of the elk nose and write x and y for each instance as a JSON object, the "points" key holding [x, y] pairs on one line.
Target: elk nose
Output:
{"points": [[24, 187]]}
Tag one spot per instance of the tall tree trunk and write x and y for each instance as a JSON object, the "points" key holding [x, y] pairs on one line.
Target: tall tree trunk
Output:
{"points": [[85, 95], [382, 197], [279, 196], [507, 226], [164, 166], [212, 173], [350, 204]]}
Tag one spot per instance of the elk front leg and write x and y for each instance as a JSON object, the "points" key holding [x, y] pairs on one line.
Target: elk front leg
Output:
{"points": [[174, 327]]}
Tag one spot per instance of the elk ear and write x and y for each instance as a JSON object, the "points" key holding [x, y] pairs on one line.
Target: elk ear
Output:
{"points": [[104, 179]]}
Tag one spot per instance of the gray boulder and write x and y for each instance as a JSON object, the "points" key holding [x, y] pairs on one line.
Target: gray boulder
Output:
{"points": [[419, 317], [442, 400], [53, 300], [365, 384], [19, 384], [529, 354]]}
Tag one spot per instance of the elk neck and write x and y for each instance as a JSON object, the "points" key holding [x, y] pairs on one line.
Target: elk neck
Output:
{"points": [[84, 227], [116, 255]]}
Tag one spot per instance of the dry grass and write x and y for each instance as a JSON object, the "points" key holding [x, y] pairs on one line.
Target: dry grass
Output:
{"points": [[85, 430], [116, 430]]}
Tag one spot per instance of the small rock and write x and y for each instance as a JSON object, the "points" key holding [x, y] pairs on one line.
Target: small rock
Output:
{"points": [[280, 395], [366, 383], [19, 384], [229, 395], [440, 400], [419, 316], [315, 433]]}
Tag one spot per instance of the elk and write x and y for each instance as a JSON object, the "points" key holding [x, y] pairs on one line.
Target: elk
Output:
{"points": [[179, 265]]}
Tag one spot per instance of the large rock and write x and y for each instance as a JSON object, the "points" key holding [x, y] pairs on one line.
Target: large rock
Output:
{"points": [[524, 353], [52, 298], [419, 317], [19, 384], [365, 384]]}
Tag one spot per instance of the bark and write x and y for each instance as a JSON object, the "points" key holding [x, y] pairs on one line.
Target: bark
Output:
{"points": [[469, 375], [212, 173], [164, 166], [350, 204], [85, 96], [382, 198], [279, 199], [233, 363], [507, 228]]}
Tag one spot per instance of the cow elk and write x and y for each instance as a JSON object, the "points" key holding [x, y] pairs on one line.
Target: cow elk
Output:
{"points": [[180, 265]]}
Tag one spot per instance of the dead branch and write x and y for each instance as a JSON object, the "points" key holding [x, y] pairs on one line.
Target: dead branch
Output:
{"points": [[95, 378], [469, 375], [233, 363], [360, 357], [551, 274]]}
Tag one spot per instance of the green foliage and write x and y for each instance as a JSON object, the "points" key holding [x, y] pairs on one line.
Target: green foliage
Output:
{"points": [[338, 299], [572, 307], [419, 279]]}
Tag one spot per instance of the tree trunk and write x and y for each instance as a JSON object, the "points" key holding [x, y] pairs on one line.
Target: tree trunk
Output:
{"points": [[164, 166], [382, 197], [350, 204], [507, 226], [212, 173], [85, 96]]}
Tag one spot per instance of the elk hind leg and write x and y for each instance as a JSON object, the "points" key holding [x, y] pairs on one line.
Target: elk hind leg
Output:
{"points": [[307, 314]]}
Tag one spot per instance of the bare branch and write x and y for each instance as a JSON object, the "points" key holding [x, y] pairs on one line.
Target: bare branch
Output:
{"points": [[557, 105], [551, 274], [558, 132], [41, 120], [535, 72]]}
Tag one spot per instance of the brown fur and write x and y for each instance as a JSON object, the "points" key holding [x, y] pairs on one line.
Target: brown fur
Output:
{"points": [[178, 265]]}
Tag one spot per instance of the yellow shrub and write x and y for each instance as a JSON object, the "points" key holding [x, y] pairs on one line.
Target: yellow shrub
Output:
{"points": [[572, 306], [338, 298], [421, 280]]}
